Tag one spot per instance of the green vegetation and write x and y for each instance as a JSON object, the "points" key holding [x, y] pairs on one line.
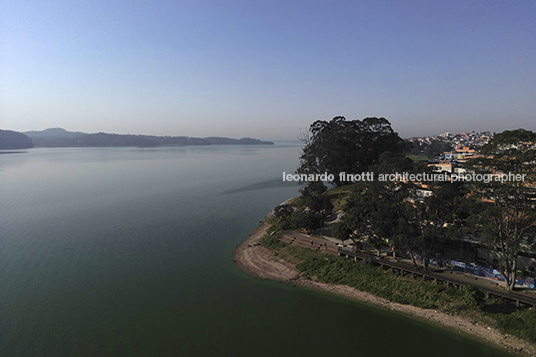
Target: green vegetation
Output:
{"points": [[338, 146], [401, 215], [384, 284], [291, 253], [272, 242], [339, 196], [436, 148], [307, 212], [507, 224], [417, 217], [420, 216], [363, 276], [520, 323], [418, 158], [428, 151]]}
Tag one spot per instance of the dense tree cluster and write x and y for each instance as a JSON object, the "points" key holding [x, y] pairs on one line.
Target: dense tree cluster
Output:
{"points": [[395, 214], [431, 150], [501, 215], [309, 213], [339, 145], [506, 222]]}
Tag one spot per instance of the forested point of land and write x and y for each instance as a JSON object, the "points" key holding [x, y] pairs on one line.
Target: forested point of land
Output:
{"points": [[14, 140]]}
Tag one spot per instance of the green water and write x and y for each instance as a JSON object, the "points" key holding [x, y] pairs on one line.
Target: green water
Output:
{"points": [[128, 252]]}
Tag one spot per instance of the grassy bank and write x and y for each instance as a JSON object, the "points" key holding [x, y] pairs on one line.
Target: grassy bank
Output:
{"points": [[520, 322]]}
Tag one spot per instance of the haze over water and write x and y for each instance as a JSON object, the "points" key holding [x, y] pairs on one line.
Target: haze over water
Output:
{"points": [[128, 252]]}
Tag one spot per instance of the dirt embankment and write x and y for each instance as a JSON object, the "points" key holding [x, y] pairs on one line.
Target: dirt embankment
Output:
{"points": [[259, 262]]}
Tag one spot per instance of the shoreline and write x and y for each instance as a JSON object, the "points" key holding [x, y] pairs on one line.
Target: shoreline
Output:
{"points": [[259, 262]]}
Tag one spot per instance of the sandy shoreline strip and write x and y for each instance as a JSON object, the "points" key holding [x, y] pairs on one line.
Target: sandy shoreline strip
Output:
{"points": [[255, 260]]}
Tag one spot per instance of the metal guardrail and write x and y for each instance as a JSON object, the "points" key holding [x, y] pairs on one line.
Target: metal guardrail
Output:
{"points": [[440, 277]]}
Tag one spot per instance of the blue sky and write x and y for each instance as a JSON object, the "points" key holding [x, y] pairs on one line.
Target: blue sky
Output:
{"points": [[266, 69]]}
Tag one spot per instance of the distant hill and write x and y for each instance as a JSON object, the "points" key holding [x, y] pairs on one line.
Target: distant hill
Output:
{"points": [[14, 140], [52, 137], [103, 139], [53, 133], [58, 137], [243, 141]]}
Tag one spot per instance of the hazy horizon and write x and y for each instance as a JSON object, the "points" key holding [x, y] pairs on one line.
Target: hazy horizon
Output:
{"points": [[296, 139], [266, 69]]}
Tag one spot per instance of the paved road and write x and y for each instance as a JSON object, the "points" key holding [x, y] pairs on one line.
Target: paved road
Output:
{"points": [[490, 286], [526, 296]]}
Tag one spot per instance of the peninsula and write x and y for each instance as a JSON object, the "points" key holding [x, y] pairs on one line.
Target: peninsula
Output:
{"points": [[369, 239], [260, 262]]}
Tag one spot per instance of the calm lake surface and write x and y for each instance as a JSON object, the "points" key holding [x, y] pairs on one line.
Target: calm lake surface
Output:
{"points": [[128, 252]]}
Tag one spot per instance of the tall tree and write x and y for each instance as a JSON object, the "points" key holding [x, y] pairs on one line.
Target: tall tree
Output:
{"points": [[372, 211], [380, 211], [436, 148], [341, 231], [347, 146], [313, 188], [430, 219], [314, 207]]}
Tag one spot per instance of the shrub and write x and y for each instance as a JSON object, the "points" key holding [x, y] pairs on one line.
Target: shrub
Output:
{"points": [[520, 323], [469, 296], [272, 242]]}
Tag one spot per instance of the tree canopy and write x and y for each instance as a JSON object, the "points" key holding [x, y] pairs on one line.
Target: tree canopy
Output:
{"points": [[420, 216], [347, 146]]}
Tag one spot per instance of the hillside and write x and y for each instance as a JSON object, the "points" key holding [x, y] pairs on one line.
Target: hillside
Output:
{"points": [[58, 137], [14, 140]]}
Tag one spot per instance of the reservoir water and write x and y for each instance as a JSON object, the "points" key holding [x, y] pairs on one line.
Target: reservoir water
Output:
{"points": [[128, 252]]}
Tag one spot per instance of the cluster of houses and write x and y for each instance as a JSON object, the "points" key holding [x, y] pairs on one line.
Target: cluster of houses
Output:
{"points": [[467, 139], [451, 161]]}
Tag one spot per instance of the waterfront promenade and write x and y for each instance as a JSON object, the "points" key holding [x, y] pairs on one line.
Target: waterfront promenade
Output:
{"points": [[491, 288], [259, 262]]}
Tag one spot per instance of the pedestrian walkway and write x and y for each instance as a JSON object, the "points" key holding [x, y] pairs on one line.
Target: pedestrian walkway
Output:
{"points": [[406, 268]]}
